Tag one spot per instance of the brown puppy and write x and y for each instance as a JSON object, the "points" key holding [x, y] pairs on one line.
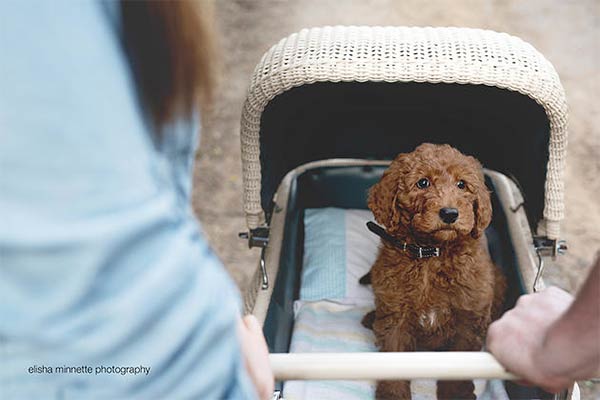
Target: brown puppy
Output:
{"points": [[433, 198]]}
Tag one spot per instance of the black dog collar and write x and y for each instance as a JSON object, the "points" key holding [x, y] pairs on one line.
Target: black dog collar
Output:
{"points": [[416, 251]]}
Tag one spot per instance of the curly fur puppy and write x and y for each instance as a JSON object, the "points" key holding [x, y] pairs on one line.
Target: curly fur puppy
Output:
{"points": [[436, 197]]}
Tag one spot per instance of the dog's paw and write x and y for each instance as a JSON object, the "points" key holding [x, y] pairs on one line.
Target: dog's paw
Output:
{"points": [[450, 390], [393, 390], [366, 279], [368, 320]]}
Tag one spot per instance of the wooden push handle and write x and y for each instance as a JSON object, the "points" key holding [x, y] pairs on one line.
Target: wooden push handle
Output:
{"points": [[379, 366]]}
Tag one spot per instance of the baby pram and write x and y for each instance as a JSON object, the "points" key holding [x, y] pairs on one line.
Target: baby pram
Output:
{"points": [[327, 109]]}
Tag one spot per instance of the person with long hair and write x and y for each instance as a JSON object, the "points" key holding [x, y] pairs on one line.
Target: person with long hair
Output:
{"points": [[108, 288]]}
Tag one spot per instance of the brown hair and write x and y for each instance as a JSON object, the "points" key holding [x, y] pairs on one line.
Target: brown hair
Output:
{"points": [[170, 47]]}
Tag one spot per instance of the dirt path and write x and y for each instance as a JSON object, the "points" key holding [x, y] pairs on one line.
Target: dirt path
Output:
{"points": [[566, 32]]}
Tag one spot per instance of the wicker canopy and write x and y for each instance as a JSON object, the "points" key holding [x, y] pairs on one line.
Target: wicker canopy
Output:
{"points": [[400, 54]]}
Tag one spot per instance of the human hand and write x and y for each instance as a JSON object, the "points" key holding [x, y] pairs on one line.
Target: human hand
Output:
{"points": [[525, 343], [256, 356]]}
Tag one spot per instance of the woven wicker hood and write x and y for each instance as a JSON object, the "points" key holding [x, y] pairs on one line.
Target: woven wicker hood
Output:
{"points": [[372, 92]]}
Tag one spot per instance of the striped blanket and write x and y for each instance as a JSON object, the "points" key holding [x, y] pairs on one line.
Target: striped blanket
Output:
{"points": [[328, 326], [331, 326]]}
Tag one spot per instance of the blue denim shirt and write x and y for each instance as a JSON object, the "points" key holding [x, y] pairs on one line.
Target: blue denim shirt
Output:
{"points": [[102, 263]]}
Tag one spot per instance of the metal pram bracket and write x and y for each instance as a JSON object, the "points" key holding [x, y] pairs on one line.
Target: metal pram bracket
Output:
{"points": [[259, 237], [545, 247]]}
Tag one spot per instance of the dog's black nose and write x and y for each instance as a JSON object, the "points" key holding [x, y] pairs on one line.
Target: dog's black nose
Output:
{"points": [[449, 215]]}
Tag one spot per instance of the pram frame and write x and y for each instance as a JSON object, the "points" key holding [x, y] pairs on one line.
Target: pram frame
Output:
{"points": [[485, 366], [389, 54]]}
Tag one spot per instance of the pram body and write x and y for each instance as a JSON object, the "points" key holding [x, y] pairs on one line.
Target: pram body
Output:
{"points": [[328, 108]]}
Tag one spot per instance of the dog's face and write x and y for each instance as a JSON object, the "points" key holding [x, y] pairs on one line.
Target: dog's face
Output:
{"points": [[434, 194]]}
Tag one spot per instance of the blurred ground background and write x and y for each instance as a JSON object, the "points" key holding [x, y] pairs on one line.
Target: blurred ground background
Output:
{"points": [[567, 32]]}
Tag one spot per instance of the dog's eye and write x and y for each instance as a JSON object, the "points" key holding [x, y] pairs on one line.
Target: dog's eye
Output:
{"points": [[423, 183], [461, 184]]}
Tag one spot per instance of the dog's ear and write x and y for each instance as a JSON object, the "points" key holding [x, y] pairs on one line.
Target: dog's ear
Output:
{"points": [[383, 196], [482, 208]]}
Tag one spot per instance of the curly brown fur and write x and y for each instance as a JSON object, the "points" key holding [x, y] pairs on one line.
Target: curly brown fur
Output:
{"points": [[439, 303]]}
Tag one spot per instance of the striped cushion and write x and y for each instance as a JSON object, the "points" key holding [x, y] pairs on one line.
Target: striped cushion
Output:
{"points": [[338, 250]]}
